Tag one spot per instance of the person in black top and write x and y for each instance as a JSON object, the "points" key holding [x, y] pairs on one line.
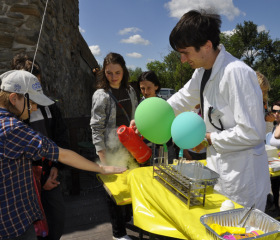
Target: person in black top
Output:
{"points": [[47, 120], [150, 86], [113, 104]]}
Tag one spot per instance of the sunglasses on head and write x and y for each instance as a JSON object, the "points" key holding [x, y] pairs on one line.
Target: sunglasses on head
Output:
{"points": [[275, 111]]}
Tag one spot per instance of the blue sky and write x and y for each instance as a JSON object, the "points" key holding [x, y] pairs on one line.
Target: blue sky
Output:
{"points": [[139, 29]]}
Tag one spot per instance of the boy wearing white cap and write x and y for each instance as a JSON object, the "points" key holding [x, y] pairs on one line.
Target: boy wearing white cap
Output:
{"points": [[19, 146]]}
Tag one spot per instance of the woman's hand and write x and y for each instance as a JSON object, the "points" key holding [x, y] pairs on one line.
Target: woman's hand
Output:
{"points": [[112, 170], [51, 182], [277, 132], [133, 126]]}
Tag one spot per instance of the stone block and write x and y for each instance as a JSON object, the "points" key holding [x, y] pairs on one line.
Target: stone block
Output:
{"points": [[6, 41], [11, 22], [15, 15], [4, 28], [26, 9], [28, 37]]}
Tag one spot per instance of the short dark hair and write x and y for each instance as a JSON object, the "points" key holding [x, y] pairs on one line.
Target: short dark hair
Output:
{"points": [[194, 29], [24, 62], [149, 76], [114, 58]]}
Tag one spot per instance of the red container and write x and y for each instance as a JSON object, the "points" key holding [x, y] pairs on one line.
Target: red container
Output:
{"points": [[134, 144]]}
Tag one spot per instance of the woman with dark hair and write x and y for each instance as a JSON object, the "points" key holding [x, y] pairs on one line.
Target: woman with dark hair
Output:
{"points": [[274, 140], [113, 104], [149, 84]]}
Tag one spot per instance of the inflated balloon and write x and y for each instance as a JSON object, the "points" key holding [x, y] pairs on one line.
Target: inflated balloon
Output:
{"points": [[188, 130], [153, 119]]}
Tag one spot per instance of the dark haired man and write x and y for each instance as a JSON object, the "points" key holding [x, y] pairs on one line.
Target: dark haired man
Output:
{"points": [[231, 102]]}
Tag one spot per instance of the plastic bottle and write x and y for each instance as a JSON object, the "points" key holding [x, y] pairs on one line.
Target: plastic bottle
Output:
{"points": [[134, 144]]}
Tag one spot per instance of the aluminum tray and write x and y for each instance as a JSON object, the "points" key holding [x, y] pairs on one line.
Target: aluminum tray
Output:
{"points": [[197, 172], [256, 220], [187, 181]]}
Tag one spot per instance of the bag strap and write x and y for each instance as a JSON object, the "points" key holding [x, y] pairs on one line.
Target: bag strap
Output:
{"points": [[119, 104]]}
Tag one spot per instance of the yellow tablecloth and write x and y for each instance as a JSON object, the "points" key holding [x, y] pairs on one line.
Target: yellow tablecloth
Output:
{"points": [[156, 209], [116, 186], [274, 174]]}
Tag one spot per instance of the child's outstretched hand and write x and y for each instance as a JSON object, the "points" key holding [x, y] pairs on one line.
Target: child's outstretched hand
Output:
{"points": [[112, 169]]}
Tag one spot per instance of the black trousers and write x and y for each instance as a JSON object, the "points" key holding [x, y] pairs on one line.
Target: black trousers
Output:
{"points": [[119, 215], [54, 208], [275, 187], [30, 234], [197, 156]]}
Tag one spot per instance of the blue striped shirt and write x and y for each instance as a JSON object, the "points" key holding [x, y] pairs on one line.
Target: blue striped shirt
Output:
{"points": [[19, 145]]}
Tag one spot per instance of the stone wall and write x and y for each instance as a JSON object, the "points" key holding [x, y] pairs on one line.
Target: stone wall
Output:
{"points": [[63, 54]]}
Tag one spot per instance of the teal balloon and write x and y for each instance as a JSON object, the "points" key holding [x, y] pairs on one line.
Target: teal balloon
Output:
{"points": [[188, 130], [153, 119]]}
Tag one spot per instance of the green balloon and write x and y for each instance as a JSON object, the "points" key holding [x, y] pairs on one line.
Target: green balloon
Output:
{"points": [[153, 119]]}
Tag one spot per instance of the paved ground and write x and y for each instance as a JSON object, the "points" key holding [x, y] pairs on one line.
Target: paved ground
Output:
{"points": [[87, 216]]}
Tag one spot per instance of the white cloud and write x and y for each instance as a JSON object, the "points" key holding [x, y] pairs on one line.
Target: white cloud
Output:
{"points": [[134, 55], [136, 39], [82, 30], [261, 28], [95, 49], [229, 32], [150, 60], [177, 8], [133, 67], [129, 30]]}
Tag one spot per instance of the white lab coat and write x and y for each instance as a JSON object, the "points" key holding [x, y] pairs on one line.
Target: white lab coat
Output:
{"points": [[238, 152]]}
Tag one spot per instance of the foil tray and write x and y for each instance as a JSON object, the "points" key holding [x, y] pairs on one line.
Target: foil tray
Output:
{"points": [[187, 181], [257, 220]]}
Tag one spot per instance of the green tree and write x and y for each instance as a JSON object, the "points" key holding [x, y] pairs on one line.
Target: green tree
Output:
{"points": [[255, 45], [233, 44], [171, 72], [160, 69], [258, 50], [134, 74]]}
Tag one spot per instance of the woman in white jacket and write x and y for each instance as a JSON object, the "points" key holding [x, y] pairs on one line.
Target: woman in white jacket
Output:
{"points": [[232, 109]]}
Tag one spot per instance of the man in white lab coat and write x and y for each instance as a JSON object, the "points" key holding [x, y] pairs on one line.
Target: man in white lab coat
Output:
{"points": [[232, 108]]}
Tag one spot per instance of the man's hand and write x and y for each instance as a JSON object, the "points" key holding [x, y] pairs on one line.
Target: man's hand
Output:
{"points": [[208, 138], [199, 147]]}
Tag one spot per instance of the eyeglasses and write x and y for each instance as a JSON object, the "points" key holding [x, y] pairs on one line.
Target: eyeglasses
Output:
{"points": [[210, 111], [275, 111]]}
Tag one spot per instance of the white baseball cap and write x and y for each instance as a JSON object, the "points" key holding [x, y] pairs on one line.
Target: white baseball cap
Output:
{"points": [[21, 81]]}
